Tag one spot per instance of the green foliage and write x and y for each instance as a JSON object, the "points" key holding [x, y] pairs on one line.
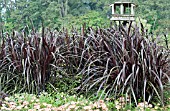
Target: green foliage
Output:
{"points": [[61, 101], [91, 19], [64, 83], [57, 14], [156, 12], [145, 23]]}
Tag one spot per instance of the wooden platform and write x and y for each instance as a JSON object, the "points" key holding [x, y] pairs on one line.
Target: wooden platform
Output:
{"points": [[117, 17]]}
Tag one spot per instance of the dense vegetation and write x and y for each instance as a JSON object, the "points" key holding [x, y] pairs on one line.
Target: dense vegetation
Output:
{"points": [[70, 46], [107, 62], [16, 14]]}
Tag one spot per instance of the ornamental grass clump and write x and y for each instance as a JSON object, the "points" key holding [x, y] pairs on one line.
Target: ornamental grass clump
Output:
{"points": [[26, 61], [120, 61]]}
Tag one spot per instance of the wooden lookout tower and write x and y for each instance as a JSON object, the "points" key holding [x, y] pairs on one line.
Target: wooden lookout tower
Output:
{"points": [[123, 11]]}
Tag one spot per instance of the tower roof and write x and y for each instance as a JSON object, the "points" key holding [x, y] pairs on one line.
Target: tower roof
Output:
{"points": [[124, 2]]}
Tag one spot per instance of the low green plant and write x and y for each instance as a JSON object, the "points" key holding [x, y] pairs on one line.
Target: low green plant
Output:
{"points": [[63, 84], [61, 101]]}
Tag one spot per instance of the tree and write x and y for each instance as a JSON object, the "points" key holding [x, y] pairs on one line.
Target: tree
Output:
{"points": [[156, 12], [57, 13]]}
